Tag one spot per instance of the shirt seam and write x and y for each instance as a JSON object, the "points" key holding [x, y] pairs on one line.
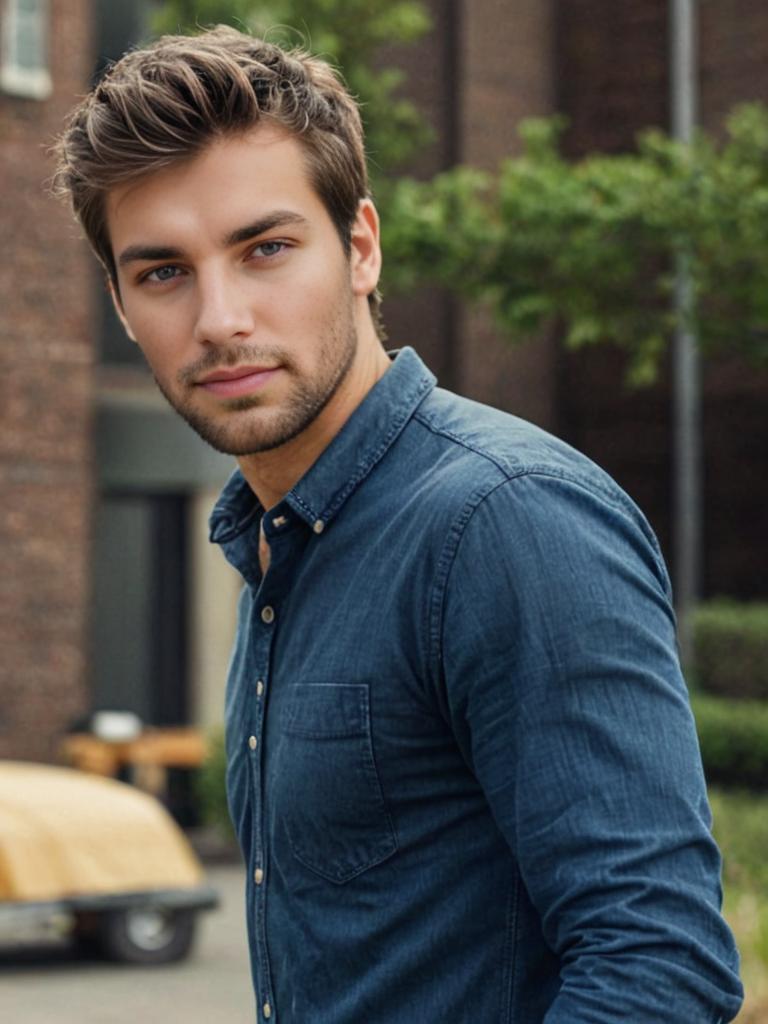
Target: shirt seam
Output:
{"points": [[445, 562], [509, 967], [524, 469]]}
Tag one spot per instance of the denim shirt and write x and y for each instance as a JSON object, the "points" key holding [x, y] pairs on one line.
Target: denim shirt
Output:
{"points": [[462, 765]]}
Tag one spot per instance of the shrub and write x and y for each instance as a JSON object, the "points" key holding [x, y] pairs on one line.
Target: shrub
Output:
{"points": [[211, 787], [734, 740], [731, 649]]}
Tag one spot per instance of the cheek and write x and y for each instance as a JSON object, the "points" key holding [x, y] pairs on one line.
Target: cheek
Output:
{"points": [[159, 336], [324, 295]]}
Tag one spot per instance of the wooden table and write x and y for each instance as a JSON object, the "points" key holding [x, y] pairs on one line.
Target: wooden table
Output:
{"points": [[147, 757]]}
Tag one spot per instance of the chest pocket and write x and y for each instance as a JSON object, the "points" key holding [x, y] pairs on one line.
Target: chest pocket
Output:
{"points": [[329, 795]]}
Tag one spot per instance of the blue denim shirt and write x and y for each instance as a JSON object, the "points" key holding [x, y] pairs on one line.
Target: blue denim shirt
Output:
{"points": [[461, 761]]}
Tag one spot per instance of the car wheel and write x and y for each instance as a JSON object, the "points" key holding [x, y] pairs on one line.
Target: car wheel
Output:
{"points": [[147, 935]]}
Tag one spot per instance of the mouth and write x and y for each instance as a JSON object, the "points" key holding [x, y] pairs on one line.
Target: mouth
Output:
{"points": [[237, 381]]}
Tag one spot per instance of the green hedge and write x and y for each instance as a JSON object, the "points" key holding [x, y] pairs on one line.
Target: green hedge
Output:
{"points": [[211, 787], [734, 740], [731, 649]]}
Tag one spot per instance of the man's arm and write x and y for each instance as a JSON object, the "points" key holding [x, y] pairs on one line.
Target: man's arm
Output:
{"points": [[563, 681]]}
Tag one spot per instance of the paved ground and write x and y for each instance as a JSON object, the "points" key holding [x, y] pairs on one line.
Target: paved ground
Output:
{"points": [[50, 986]]}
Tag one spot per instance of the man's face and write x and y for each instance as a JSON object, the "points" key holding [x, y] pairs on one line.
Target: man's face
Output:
{"points": [[234, 282]]}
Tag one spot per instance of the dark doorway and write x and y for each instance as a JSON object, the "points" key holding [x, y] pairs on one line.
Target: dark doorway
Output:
{"points": [[139, 622]]}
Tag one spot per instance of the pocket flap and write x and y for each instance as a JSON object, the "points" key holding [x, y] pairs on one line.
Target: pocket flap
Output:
{"points": [[318, 711]]}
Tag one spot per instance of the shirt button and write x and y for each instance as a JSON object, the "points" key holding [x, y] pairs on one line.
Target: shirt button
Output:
{"points": [[252, 742], [258, 876], [266, 1010], [267, 613], [259, 687], [318, 526]]}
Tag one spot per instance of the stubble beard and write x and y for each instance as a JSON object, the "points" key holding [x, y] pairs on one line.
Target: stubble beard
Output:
{"points": [[232, 431]]}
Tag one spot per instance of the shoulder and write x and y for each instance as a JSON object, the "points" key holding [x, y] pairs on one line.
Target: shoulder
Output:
{"points": [[479, 454], [521, 512]]}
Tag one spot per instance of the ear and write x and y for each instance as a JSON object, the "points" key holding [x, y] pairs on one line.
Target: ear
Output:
{"points": [[365, 261], [117, 303]]}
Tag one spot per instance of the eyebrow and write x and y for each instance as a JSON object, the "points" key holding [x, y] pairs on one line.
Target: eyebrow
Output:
{"points": [[277, 219]]}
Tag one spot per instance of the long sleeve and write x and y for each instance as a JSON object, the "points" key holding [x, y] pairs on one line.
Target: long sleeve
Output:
{"points": [[564, 690]]}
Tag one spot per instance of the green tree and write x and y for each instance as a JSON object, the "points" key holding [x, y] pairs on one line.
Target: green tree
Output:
{"points": [[593, 243]]}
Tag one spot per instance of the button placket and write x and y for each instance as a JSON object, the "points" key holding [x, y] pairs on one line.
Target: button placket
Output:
{"points": [[258, 850], [263, 633], [285, 545]]}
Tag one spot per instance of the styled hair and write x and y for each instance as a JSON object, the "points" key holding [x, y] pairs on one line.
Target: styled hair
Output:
{"points": [[170, 100]]}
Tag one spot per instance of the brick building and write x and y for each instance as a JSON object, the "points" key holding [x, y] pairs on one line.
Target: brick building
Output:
{"points": [[110, 595], [605, 65], [46, 351]]}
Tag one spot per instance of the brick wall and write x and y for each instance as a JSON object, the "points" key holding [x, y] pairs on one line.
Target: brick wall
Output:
{"points": [[508, 74], [606, 66], [611, 61], [613, 81], [733, 56], [426, 319], [734, 69], [45, 397], [485, 65]]}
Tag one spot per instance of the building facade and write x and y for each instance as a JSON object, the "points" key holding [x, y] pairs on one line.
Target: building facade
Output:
{"points": [[111, 596], [47, 351]]}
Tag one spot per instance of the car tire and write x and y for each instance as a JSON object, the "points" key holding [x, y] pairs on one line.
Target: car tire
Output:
{"points": [[147, 935]]}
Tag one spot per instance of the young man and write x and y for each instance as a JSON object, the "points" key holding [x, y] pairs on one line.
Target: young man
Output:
{"points": [[461, 761]]}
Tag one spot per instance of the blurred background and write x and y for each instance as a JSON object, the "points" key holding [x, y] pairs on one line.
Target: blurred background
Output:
{"points": [[575, 204]]}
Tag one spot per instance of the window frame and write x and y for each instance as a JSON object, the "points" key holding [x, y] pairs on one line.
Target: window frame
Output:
{"points": [[16, 78]]}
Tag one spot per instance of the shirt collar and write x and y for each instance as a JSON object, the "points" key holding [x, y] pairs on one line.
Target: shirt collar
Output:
{"points": [[364, 439]]}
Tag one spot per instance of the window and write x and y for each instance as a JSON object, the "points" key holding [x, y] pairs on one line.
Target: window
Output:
{"points": [[24, 53]]}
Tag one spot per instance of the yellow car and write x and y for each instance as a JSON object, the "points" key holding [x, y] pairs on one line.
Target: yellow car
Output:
{"points": [[99, 859]]}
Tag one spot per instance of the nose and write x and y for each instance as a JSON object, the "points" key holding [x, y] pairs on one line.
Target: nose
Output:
{"points": [[223, 312]]}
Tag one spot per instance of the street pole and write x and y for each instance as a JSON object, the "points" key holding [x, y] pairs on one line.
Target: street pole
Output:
{"points": [[686, 371]]}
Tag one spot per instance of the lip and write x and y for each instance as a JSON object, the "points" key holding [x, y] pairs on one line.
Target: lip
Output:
{"points": [[237, 381]]}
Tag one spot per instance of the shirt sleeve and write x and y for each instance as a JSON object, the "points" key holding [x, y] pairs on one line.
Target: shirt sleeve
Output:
{"points": [[565, 693]]}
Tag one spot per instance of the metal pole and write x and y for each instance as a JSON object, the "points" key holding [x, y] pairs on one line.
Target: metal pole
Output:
{"points": [[686, 371]]}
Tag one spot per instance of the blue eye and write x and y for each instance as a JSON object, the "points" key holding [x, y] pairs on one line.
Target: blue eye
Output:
{"points": [[162, 273], [268, 249]]}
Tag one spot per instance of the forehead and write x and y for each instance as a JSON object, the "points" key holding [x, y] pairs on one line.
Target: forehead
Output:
{"points": [[233, 177]]}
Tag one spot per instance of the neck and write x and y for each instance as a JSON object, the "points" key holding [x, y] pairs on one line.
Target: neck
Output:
{"points": [[271, 474]]}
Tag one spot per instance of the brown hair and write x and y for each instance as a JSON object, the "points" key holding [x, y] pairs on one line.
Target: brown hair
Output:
{"points": [[172, 98]]}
